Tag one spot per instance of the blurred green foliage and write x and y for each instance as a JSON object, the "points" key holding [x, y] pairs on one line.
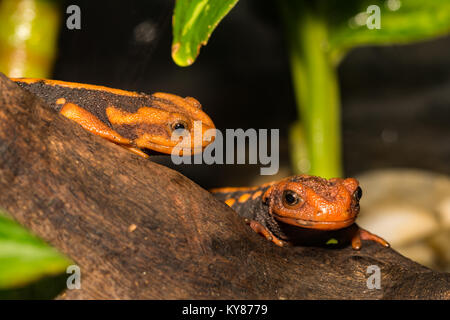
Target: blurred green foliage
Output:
{"points": [[28, 37], [193, 23], [402, 22], [29, 268], [24, 258], [319, 34]]}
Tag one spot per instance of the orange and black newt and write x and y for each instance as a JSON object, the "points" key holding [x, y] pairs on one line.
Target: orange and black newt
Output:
{"points": [[139, 122], [279, 210]]}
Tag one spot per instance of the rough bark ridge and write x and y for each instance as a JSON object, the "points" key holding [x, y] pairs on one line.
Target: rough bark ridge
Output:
{"points": [[81, 194]]}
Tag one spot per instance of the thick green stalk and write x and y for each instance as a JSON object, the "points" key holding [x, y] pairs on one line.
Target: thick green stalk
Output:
{"points": [[316, 142], [28, 37]]}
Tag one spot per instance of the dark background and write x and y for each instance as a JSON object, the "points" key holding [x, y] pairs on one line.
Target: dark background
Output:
{"points": [[395, 100]]}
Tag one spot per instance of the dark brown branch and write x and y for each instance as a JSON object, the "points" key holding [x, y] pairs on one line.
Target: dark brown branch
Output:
{"points": [[81, 194]]}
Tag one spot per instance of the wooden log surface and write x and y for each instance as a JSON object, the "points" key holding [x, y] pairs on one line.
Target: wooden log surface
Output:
{"points": [[81, 194]]}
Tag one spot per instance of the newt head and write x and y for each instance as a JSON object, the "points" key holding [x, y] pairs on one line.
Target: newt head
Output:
{"points": [[314, 202], [164, 124]]}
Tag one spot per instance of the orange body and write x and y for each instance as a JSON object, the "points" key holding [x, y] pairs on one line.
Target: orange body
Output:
{"points": [[305, 202], [136, 121]]}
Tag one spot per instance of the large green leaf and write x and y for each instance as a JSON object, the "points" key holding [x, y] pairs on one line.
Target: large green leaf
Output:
{"points": [[193, 23], [24, 258], [401, 22]]}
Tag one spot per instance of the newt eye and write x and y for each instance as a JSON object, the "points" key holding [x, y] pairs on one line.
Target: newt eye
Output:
{"points": [[291, 198], [179, 125], [358, 193]]}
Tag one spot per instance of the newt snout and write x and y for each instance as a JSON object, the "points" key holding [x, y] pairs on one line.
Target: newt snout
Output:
{"points": [[313, 202]]}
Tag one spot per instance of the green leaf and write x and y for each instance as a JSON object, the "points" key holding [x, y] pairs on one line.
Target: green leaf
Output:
{"points": [[24, 258], [332, 241], [319, 33], [193, 23], [28, 37], [401, 22]]}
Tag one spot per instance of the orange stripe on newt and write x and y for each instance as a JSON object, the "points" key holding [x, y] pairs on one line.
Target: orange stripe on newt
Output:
{"points": [[142, 115], [256, 194], [92, 124], [232, 189], [230, 202], [244, 197], [61, 101], [75, 85]]}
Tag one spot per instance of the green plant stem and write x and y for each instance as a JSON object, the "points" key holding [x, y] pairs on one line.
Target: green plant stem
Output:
{"points": [[316, 142], [28, 37]]}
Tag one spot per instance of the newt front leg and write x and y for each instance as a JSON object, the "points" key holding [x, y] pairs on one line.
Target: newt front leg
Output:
{"points": [[362, 234], [259, 228], [92, 124]]}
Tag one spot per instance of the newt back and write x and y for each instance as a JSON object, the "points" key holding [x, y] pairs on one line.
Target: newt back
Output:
{"points": [[137, 121]]}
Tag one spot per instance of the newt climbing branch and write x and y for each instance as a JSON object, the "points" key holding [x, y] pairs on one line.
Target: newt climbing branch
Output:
{"points": [[82, 193]]}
